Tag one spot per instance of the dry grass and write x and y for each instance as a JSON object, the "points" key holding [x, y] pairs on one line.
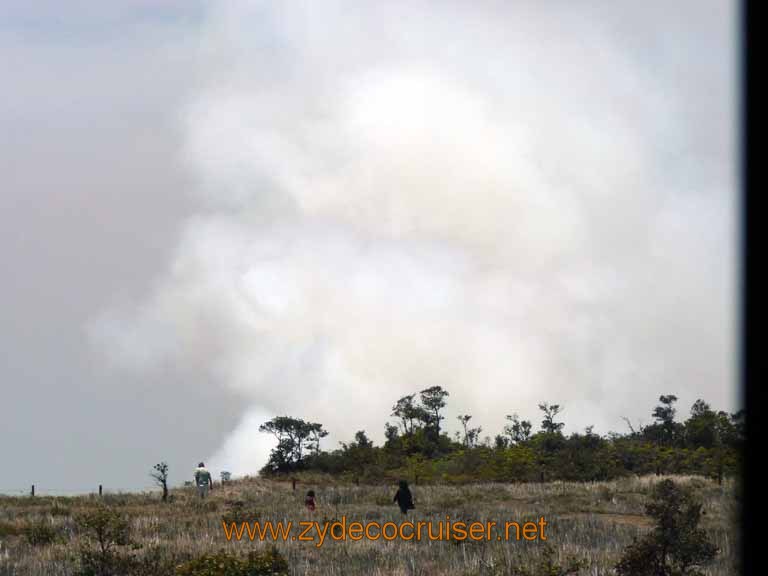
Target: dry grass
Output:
{"points": [[594, 521]]}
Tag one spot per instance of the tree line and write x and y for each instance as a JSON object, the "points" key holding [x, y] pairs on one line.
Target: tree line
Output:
{"points": [[417, 446]]}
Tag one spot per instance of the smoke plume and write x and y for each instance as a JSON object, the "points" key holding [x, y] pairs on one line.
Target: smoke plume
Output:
{"points": [[497, 198]]}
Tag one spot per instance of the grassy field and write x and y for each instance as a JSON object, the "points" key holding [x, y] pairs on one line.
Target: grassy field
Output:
{"points": [[591, 521]]}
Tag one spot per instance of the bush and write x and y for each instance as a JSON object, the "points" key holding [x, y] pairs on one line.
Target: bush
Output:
{"points": [[41, 534], [155, 561], [104, 530], [104, 527], [268, 563], [676, 546], [92, 562]]}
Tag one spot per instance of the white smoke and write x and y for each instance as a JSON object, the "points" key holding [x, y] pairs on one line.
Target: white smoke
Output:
{"points": [[496, 200]]}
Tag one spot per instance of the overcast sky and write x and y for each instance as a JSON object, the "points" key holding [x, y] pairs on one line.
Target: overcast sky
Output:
{"points": [[214, 213]]}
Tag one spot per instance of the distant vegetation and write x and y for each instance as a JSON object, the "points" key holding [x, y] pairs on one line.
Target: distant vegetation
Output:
{"points": [[630, 526], [707, 443], [641, 513]]}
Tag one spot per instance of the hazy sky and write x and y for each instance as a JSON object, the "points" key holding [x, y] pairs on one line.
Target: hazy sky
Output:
{"points": [[214, 213]]}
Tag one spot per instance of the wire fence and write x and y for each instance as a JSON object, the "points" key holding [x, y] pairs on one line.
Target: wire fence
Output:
{"points": [[42, 490]]}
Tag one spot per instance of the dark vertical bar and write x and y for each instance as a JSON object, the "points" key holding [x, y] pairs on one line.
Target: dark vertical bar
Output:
{"points": [[33, 490], [99, 490], [751, 295]]}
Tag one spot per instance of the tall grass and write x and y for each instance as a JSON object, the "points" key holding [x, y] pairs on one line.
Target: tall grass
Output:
{"points": [[593, 521]]}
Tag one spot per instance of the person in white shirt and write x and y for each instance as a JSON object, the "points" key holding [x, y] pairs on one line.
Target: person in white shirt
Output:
{"points": [[203, 480]]}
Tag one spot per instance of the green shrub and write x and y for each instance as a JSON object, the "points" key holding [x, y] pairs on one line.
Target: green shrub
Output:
{"points": [[41, 534], [155, 561], [676, 546], [267, 563], [103, 526], [104, 530]]}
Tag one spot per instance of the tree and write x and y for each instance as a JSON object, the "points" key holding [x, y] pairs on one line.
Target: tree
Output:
{"points": [[294, 437], [433, 400], [548, 424], [409, 413], [160, 475], [519, 430], [362, 440], [470, 434], [664, 414], [676, 546], [316, 432], [738, 421], [392, 436], [701, 429]]}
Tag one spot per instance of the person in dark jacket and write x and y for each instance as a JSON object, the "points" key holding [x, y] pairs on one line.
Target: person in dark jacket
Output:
{"points": [[404, 498], [309, 501]]}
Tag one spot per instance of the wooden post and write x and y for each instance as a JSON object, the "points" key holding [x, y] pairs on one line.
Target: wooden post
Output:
{"points": [[293, 484], [33, 490], [99, 490]]}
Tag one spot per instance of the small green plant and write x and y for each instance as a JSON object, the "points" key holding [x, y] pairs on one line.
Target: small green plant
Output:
{"points": [[104, 530], [267, 563], [676, 546], [104, 527], [41, 533]]}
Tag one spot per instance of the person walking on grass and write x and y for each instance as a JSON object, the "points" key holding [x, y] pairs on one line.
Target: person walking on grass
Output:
{"points": [[404, 498], [309, 501], [203, 480]]}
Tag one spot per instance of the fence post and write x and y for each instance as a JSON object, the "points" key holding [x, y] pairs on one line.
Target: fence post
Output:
{"points": [[293, 484], [33, 490], [99, 490]]}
